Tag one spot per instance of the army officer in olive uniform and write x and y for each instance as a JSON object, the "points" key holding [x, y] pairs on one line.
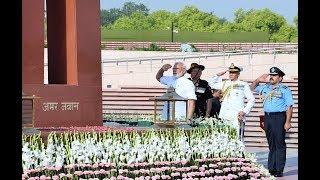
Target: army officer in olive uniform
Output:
{"points": [[277, 105]]}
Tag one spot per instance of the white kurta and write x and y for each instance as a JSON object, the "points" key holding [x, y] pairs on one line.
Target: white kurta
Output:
{"points": [[184, 88], [233, 101]]}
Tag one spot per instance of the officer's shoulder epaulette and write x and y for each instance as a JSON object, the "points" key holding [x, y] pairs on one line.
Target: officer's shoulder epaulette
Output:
{"points": [[284, 86]]}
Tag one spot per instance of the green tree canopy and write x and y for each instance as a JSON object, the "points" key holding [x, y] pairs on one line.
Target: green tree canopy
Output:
{"points": [[286, 33], [131, 7], [161, 20], [295, 20], [137, 20], [192, 19], [259, 20], [108, 17]]}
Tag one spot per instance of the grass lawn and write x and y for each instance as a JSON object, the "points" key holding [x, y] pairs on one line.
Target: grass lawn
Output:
{"points": [[181, 36]]}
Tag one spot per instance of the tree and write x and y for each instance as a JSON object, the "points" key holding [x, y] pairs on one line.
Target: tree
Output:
{"points": [[137, 21], [161, 20], [259, 20], [192, 19], [131, 7], [222, 20], [295, 20], [108, 17], [230, 27], [286, 33]]}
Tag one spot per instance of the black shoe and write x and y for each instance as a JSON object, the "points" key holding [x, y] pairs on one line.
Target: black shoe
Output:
{"points": [[272, 172], [278, 174]]}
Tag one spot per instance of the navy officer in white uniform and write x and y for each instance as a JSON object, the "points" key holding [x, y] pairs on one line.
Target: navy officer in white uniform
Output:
{"points": [[234, 92]]}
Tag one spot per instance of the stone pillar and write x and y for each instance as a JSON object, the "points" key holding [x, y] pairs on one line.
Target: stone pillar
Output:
{"points": [[73, 95]]}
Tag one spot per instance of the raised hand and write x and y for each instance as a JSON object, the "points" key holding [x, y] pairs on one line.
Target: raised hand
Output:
{"points": [[166, 67], [221, 73], [263, 77]]}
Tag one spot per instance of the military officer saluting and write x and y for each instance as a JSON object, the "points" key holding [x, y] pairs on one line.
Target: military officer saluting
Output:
{"points": [[277, 104], [234, 92]]}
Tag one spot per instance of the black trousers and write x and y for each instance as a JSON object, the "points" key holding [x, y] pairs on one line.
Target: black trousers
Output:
{"points": [[200, 111], [275, 133]]}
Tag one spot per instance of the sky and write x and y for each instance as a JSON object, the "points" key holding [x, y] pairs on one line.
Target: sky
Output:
{"points": [[221, 8]]}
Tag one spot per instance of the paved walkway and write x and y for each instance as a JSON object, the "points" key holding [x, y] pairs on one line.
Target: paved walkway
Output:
{"points": [[291, 169]]}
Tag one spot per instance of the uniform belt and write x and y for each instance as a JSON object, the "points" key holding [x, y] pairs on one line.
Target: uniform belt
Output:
{"points": [[273, 113]]}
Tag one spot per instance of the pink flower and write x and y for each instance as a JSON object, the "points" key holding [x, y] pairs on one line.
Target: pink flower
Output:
{"points": [[211, 171], [88, 172], [120, 177], [186, 169], [227, 169], [194, 167], [184, 161], [213, 165], [204, 165], [220, 164], [218, 171], [175, 174], [51, 168], [79, 173], [184, 175], [43, 177], [202, 169], [69, 175], [101, 164], [233, 169], [70, 166], [233, 176], [61, 175], [242, 174], [207, 172]]}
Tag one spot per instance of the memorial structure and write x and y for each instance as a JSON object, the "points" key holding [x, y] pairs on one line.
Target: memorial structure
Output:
{"points": [[73, 95]]}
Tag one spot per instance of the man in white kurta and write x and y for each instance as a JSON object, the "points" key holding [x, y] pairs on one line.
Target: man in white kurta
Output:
{"points": [[183, 87], [234, 92]]}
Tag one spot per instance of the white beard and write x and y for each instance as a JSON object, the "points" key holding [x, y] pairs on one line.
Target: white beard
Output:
{"points": [[178, 75]]}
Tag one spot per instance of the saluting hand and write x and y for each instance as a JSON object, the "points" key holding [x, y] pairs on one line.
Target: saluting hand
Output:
{"points": [[263, 77], [166, 67], [221, 73]]}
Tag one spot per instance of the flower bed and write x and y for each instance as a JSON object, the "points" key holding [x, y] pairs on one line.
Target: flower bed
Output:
{"points": [[106, 154], [210, 168]]}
